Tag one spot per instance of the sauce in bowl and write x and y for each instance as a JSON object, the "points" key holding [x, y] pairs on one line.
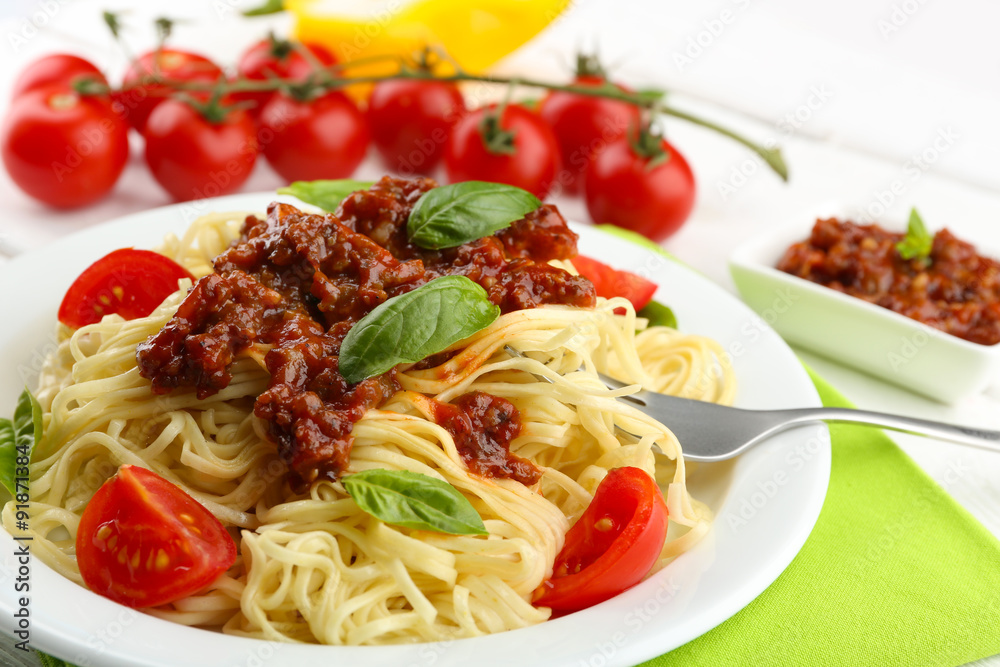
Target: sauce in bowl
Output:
{"points": [[958, 291]]}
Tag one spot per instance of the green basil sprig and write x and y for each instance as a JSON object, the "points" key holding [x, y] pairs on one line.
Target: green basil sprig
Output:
{"points": [[18, 438], [658, 315], [918, 242], [413, 500], [325, 194], [415, 325], [451, 215]]}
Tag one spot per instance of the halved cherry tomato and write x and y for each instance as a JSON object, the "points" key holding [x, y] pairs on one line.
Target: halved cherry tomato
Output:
{"points": [[147, 81], [610, 282], [612, 546], [143, 542], [129, 282]]}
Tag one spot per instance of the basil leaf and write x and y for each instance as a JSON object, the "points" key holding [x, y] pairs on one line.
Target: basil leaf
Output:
{"points": [[267, 7], [18, 437], [918, 242], [658, 315], [411, 326], [451, 215], [413, 500], [326, 194]]}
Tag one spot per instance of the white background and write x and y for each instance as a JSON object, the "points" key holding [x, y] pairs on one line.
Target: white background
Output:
{"points": [[856, 92]]}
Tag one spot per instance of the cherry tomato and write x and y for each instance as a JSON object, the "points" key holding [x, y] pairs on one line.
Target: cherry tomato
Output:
{"points": [[628, 190], [324, 138], [610, 282], [58, 68], [193, 157], [410, 121], [523, 151], [143, 541], [129, 282], [63, 148], [611, 547], [584, 126], [277, 58], [142, 93]]}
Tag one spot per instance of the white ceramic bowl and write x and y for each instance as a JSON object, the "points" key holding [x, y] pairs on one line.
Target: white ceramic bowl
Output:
{"points": [[849, 330]]}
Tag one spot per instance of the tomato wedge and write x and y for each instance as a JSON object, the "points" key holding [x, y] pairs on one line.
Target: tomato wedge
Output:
{"points": [[610, 282], [129, 282], [143, 542], [611, 547]]}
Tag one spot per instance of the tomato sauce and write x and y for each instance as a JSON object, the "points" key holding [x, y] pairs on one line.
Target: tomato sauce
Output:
{"points": [[958, 291], [297, 282], [483, 426]]}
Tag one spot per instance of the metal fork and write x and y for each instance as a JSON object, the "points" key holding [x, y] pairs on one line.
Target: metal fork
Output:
{"points": [[710, 432]]}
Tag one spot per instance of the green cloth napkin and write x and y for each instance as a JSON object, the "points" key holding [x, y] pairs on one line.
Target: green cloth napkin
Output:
{"points": [[894, 573]]}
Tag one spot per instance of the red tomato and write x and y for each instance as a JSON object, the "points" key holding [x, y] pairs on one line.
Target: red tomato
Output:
{"points": [[584, 126], [526, 154], [325, 138], [410, 121], [63, 148], [142, 92], [129, 282], [612, 546], [609, 282], [143, 542], [193, 157], [625, 189], [273, 58], [58, 68]]}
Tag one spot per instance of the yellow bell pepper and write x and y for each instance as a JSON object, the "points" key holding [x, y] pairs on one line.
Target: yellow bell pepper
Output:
{"points": [[476, 33]]}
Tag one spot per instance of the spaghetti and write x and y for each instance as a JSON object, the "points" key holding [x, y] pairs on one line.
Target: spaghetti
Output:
{"points": [[313, 567]]}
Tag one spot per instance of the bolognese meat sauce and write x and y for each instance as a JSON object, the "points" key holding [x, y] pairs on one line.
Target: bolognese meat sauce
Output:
{"points": [[956, 290], [294, 284]]}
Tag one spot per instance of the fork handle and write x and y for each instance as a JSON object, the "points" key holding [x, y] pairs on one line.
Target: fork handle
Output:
{"points": [[964, 435]]}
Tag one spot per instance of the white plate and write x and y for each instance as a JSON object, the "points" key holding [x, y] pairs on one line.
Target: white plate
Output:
{"points": [[766, 501]]}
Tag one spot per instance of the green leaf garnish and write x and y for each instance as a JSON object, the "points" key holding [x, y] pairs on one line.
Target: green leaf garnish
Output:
{"points": [[658, 315], [918, 242], [267, 7], [325, 194], [18, 438], [451, 215], [415, 325], [413, 500]]}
